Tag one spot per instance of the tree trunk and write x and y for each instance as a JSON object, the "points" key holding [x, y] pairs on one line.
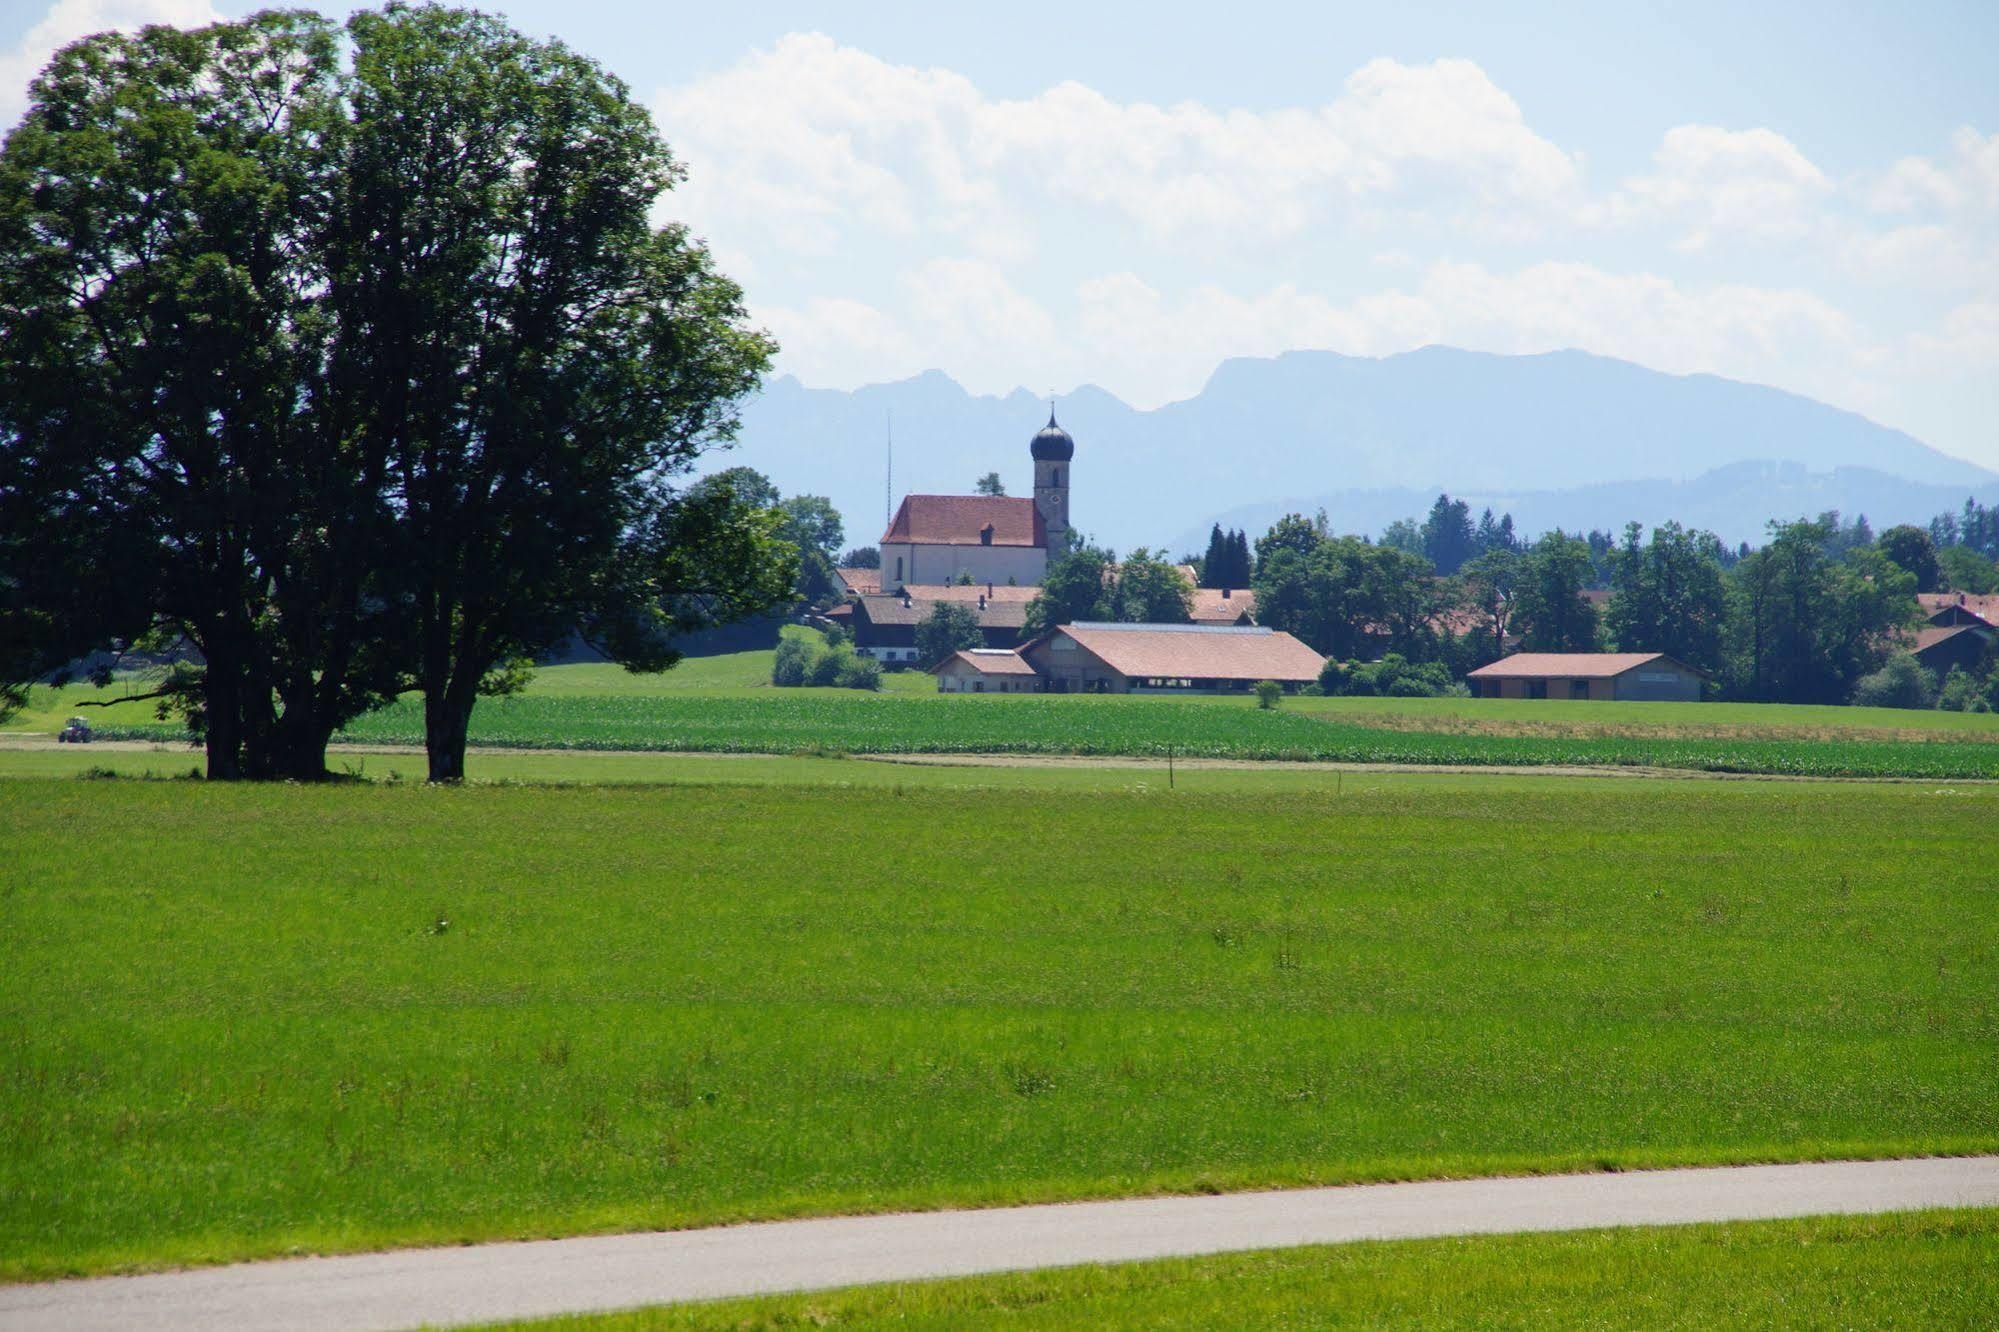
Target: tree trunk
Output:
{"points": [[223, 725], [446, 719]]}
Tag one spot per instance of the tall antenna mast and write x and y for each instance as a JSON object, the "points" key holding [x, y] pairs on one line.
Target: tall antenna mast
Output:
{"points": [[888, 474]]}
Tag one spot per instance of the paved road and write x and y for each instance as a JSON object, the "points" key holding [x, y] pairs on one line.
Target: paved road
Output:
{"points": [[496, 1281]]}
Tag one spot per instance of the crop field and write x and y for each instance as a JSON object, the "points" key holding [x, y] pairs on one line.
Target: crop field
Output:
{"points": [[1920, 1269], [241, 1021], [784, 722]]}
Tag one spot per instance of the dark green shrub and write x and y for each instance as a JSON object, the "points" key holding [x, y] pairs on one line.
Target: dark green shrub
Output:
{"points": [[1902, 683], [793, 659], [1268, 692], [858, 672]]}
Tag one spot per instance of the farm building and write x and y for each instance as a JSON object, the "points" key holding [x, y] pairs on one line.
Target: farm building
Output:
{"points": [[1648, 676], [1945, 609], [1095, 657], [884, 627], [1964, 645], [1224, 605], [985, 671]]}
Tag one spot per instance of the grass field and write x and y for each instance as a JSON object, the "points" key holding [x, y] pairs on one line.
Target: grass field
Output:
{"points": [[1912, 1270], [238, 1021]]}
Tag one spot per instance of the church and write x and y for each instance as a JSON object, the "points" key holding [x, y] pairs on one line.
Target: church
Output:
{"points": [[985, 539]]}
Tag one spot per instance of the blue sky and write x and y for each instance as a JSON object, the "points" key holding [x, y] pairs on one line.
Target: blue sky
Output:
{"points": [[1801, 195]]}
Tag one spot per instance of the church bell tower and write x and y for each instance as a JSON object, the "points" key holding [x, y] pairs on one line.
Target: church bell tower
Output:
{"points": [[1052, 448]]}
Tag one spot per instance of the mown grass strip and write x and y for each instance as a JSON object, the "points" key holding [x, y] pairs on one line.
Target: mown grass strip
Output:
{"points": [[1914, 1270]]}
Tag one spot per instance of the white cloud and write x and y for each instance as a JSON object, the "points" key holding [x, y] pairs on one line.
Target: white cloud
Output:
{"points": [[809, 139], [1150, 347], [1965, 182], [1740, 182], [71, 19]]}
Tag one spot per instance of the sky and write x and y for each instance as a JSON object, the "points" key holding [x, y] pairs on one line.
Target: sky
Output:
{"points": [[1047, 195]]}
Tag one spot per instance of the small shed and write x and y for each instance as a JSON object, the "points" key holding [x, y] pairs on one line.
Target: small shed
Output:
{"points": [[1639, 676], [985, 671]]}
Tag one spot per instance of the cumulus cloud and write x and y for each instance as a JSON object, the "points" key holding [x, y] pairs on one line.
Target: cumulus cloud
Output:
{"points": [[1711, 180], [810, 138], [1965, 181], [71, 19]]}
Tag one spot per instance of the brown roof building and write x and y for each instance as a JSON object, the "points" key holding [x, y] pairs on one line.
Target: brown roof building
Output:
{"points": [[1646, 676], [985, 671], [1097, 657], [884, 627], [1939, 647], [1224, 605], [858, 582], [1948, 608]]}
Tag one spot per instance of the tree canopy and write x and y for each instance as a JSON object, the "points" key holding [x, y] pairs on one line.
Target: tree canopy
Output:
{"points": [[352, 360]]}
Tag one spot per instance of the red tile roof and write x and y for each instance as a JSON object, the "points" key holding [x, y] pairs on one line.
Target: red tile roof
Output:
{"points": [[1984, 606], [961, 520], [1211, 607], [860, 580], [989, 661], [1196, 652], [1929, 637], [1571, 665]]}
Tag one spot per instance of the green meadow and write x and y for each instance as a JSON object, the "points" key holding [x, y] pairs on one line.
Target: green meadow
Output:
{"points": [[1912, 1270], [240, 1021]]}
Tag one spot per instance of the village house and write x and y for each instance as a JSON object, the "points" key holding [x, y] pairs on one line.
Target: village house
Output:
{"points": [[1646, 676], [985, 671], [884, 627], [1224, 605], [1960, 629], [1098, 657]]}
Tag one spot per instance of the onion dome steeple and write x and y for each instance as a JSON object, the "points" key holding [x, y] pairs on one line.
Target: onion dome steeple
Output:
{"points": [[1052, 443]]}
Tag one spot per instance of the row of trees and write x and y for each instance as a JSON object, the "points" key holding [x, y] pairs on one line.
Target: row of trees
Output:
{"points": [[345, 362], [1801, 619]]}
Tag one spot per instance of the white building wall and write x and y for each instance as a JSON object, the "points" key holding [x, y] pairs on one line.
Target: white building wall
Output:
{"points": [[913, 562]]}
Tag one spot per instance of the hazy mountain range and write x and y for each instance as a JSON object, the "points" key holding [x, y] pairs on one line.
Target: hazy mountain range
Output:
{"points": [[1563, 439]]}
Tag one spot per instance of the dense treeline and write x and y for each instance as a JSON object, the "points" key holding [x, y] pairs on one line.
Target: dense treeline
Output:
{"points": [[1824, 611]]}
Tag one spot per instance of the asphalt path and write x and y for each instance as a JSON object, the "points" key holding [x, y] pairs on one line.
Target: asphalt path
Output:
{"points": [[488, 1282]]}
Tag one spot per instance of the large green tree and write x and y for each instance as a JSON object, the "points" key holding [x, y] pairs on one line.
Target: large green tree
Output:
{"points": [[1804, 624], [1347, 597], [1668, 596], [1550, 612], [950, 626], [1913, 552], [1150, 589], [181, 457], [1076, 586], [354, 362]]}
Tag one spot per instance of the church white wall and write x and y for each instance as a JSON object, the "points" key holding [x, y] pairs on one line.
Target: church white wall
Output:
{"points": [[921, 563]]}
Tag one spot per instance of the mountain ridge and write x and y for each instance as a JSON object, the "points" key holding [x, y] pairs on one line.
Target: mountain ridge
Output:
{"points": [[1333, 427]]}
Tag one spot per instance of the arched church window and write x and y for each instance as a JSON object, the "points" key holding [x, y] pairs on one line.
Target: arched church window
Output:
{"points": [[898, 568], [1058, 476]]}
